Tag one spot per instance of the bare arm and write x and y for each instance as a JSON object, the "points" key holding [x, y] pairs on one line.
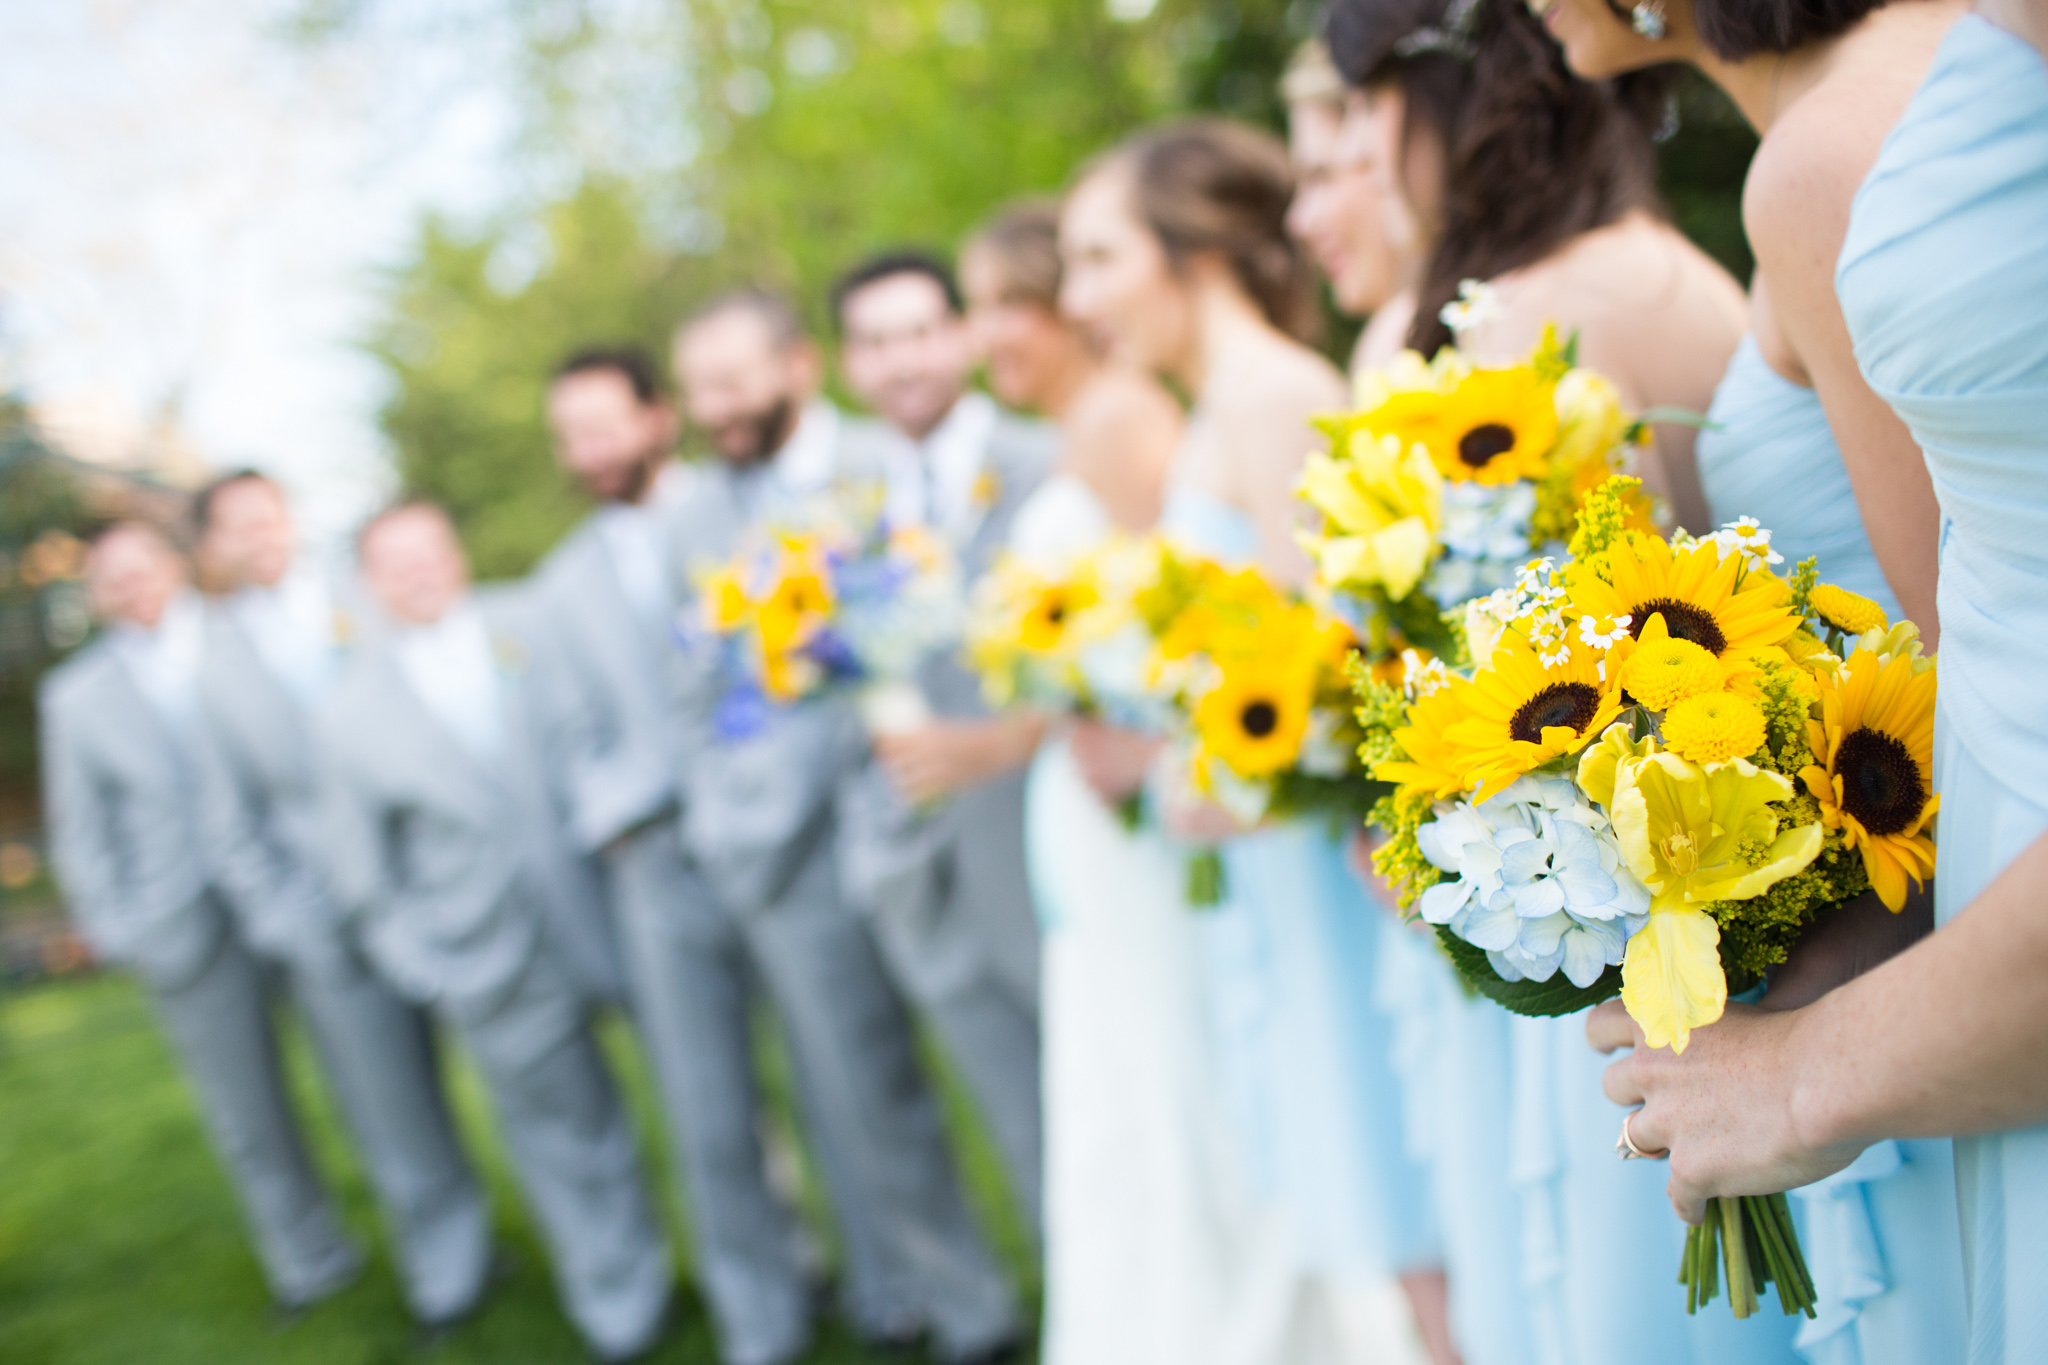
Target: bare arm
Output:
{"points": [[1944, 1039], [1796, 208]]}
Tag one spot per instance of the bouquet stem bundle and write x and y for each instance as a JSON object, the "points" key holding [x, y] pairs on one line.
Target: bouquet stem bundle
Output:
{"points": [[1750, 1238]]}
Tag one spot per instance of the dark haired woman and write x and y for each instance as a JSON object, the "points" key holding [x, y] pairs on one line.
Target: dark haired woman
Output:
{"points": [[1177, 258], [1543, 186], [1943, 281], [1806, 445]]}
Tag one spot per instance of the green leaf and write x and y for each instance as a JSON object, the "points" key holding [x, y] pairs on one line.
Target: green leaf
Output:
{"points": [[1536, 999]]}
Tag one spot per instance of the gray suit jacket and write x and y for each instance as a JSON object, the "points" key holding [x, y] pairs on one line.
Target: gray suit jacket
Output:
{"points": [[603, 674], [120, 793], [955, 880], [458, 870], [260, 800], [756, 807]]}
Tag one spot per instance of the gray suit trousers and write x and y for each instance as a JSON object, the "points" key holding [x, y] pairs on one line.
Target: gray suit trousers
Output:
{"points": [[378, 1053], [913, 1254], [573, 1151], [221, 1025]]}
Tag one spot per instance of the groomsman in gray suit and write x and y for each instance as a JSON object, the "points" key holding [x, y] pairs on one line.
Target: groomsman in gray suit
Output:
{"points": [[446, 843], [273, 650], [759, 812], [954, 912], [607, 604], [120, 734]]}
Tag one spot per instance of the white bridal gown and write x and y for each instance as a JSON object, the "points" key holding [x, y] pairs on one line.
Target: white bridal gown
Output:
{"points": [[1157, 1252]]}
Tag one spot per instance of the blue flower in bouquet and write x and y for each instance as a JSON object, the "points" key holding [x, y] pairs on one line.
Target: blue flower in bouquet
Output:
{"points": [[1537, 882], [1485, 537]]}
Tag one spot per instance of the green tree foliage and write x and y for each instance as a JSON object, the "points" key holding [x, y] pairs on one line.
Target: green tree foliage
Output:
{"points": [[470, 360], [817, 130]]}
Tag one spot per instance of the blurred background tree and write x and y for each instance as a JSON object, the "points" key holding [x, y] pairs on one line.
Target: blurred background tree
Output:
{"points": [[775, 141]]}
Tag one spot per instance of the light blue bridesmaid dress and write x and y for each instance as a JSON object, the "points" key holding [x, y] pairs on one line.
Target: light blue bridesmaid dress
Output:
{"points": [[1600, 1242], [1305, 1053], [1881, 1236], [1451, 1052], [1944, 283]]}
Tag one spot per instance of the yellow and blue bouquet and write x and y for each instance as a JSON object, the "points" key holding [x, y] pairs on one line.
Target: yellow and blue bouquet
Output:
{"points": [[1665, 762], [1247, 681], [1449, 476], [833, 602]]}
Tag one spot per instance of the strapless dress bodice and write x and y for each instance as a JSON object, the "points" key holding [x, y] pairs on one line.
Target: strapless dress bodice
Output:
{"points": [[1768, 453]]}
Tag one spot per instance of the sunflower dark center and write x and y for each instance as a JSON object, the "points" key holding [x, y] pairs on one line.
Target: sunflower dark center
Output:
{"points": [[1572, 704], [1056, 613], [1478, 446], [1881, 785], [1684, 620], [1259, 719]]}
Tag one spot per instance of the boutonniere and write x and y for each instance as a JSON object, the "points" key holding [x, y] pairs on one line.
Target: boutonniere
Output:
{"points": [[509, 655], [987, 489]]}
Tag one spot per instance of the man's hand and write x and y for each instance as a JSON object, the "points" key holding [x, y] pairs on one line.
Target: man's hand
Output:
{"points": [[947, 756], [1725, 1109]]}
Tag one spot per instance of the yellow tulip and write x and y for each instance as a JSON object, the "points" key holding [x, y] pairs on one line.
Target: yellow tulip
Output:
{"points": [[1695, 835]]}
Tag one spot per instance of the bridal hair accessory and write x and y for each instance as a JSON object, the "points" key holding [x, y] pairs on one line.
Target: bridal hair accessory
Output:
{"points": [[1647, 19], [1625, 1146], [1452, 37]]}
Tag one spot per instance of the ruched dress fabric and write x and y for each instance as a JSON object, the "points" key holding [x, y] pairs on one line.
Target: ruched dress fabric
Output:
{"points": [[1944, 282], [1452, 1055], [1881, 1236], [1600, 1242], [1305, 1060]]}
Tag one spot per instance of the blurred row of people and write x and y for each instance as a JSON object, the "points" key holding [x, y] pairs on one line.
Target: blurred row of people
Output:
{"points": [[498, 811]]}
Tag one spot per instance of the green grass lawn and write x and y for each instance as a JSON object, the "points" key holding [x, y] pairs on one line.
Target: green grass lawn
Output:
{"points": [[120, 1241]]}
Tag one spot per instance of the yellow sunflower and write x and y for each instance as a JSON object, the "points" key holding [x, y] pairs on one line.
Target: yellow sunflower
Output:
{"points": [[1693, 590], [1875, 781], [1519, 714], [1495, 426], [1254, 719], [1050, 613], [1430, 763]]}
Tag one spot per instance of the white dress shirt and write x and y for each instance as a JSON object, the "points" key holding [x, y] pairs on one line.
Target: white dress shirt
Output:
{"points": [[292, 627], [807, 460], [452, 669], [932, 482], [164, 661], [632, 536]]}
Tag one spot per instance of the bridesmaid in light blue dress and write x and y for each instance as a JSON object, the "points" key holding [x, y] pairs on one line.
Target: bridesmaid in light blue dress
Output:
{"points": [[1881, 1236], [1175, 253], [1305, 1053], [1944, 282]]}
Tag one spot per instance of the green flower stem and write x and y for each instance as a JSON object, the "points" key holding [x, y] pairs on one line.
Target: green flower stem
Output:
{"points": [[1753, 1240], [1205, 878], [1735, 1257], [1130, 812]]}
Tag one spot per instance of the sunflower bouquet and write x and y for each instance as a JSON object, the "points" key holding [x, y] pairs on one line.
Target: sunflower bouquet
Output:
{"points": [[831, 603], [1668, 760], [1449, 476], [1247, 682]]}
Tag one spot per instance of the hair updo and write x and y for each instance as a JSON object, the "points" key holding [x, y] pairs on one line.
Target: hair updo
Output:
{"points": [[1023, 240], [1210, 185], [1533, 156], [1735, 29]]}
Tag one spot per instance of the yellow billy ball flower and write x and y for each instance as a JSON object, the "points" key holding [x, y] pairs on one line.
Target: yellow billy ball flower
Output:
{"points": [[1846, 611], [1714, 727], [1664, 670]]}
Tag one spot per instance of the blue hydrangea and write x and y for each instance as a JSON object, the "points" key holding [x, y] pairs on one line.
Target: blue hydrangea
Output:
{"points": [[1485, 537], [1536, 880]]}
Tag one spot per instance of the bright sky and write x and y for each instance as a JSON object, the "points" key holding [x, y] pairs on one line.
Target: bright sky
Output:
{"points": [[194, 206]]}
